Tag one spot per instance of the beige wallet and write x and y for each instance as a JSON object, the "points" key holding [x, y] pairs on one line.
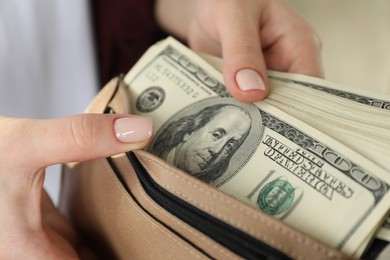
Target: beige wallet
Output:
{"points": [[136, 206]]}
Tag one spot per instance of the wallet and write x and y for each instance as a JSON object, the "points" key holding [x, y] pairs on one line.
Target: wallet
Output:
{"points": [[136, 206]]}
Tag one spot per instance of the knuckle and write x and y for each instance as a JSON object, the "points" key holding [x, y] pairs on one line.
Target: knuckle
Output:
{"points": [[313, 37], [83, 132], [309, 38], [317, 40]]}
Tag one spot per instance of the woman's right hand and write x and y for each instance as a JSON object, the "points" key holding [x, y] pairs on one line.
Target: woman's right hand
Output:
{"points": [[251, 36]]}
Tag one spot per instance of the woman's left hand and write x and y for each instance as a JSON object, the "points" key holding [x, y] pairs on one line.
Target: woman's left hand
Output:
{"points": [[31, 227]]}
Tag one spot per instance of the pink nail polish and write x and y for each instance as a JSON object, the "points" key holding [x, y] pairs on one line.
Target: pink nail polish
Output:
{"points": [[133, 129], [248, 79]]}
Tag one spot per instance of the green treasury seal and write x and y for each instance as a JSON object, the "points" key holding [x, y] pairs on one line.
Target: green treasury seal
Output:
{"points": [[276, 197]]}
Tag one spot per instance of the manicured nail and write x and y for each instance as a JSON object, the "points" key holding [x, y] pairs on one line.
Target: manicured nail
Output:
{"points": [[133, 129], [248, 79]]}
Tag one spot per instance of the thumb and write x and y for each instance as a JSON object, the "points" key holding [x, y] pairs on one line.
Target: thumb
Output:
{"points": [[244, 68], [39, 143], [28, 146]]}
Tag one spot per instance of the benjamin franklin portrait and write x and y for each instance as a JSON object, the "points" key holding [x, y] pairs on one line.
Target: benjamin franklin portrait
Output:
{"points": [[211, 140]]}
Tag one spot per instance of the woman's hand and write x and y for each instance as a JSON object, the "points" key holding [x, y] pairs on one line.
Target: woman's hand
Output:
{"points": [[30, 225], [251, 36]]}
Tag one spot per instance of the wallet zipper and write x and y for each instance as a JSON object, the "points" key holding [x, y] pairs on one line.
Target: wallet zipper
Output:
{"points": [[235, 240]]}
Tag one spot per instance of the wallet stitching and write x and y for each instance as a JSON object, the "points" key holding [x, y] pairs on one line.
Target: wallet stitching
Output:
{"points": [[274, 226], [174, 239], [207, 241]]}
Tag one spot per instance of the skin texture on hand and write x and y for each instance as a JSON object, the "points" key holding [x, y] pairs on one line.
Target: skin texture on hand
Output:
{"points": [[251, 36], [31, 227]]}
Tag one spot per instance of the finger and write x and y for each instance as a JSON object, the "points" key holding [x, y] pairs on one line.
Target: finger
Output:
{"points": [[300, 56], [244, 67], [40, 143], [290, 43]]}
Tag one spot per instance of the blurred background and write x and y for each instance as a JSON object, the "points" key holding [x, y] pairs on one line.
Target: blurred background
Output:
{"points": [[47, 63], [356, 40]]}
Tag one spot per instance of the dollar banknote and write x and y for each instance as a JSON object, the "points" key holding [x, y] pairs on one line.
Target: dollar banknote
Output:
{"points": [[364, 97], [380, 101], [256, 152], [357, 118]]}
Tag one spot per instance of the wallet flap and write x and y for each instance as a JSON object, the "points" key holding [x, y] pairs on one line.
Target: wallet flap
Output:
{"points": [[112, 97]]}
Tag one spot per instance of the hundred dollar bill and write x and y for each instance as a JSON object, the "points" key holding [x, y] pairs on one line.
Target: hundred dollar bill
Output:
{"points": [[357, 118], [255, 152], [362, 127], [367, 98], [364, 97]]}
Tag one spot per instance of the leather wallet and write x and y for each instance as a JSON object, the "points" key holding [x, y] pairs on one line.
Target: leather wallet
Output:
{"points": [[134, 205]]}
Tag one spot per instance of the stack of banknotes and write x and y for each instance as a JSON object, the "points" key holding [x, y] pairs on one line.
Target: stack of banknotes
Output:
{"points": [[313, 154]]}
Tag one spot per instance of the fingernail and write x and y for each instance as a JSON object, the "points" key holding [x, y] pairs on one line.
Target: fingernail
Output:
{"points": [[133, 129], [248, 79]]}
